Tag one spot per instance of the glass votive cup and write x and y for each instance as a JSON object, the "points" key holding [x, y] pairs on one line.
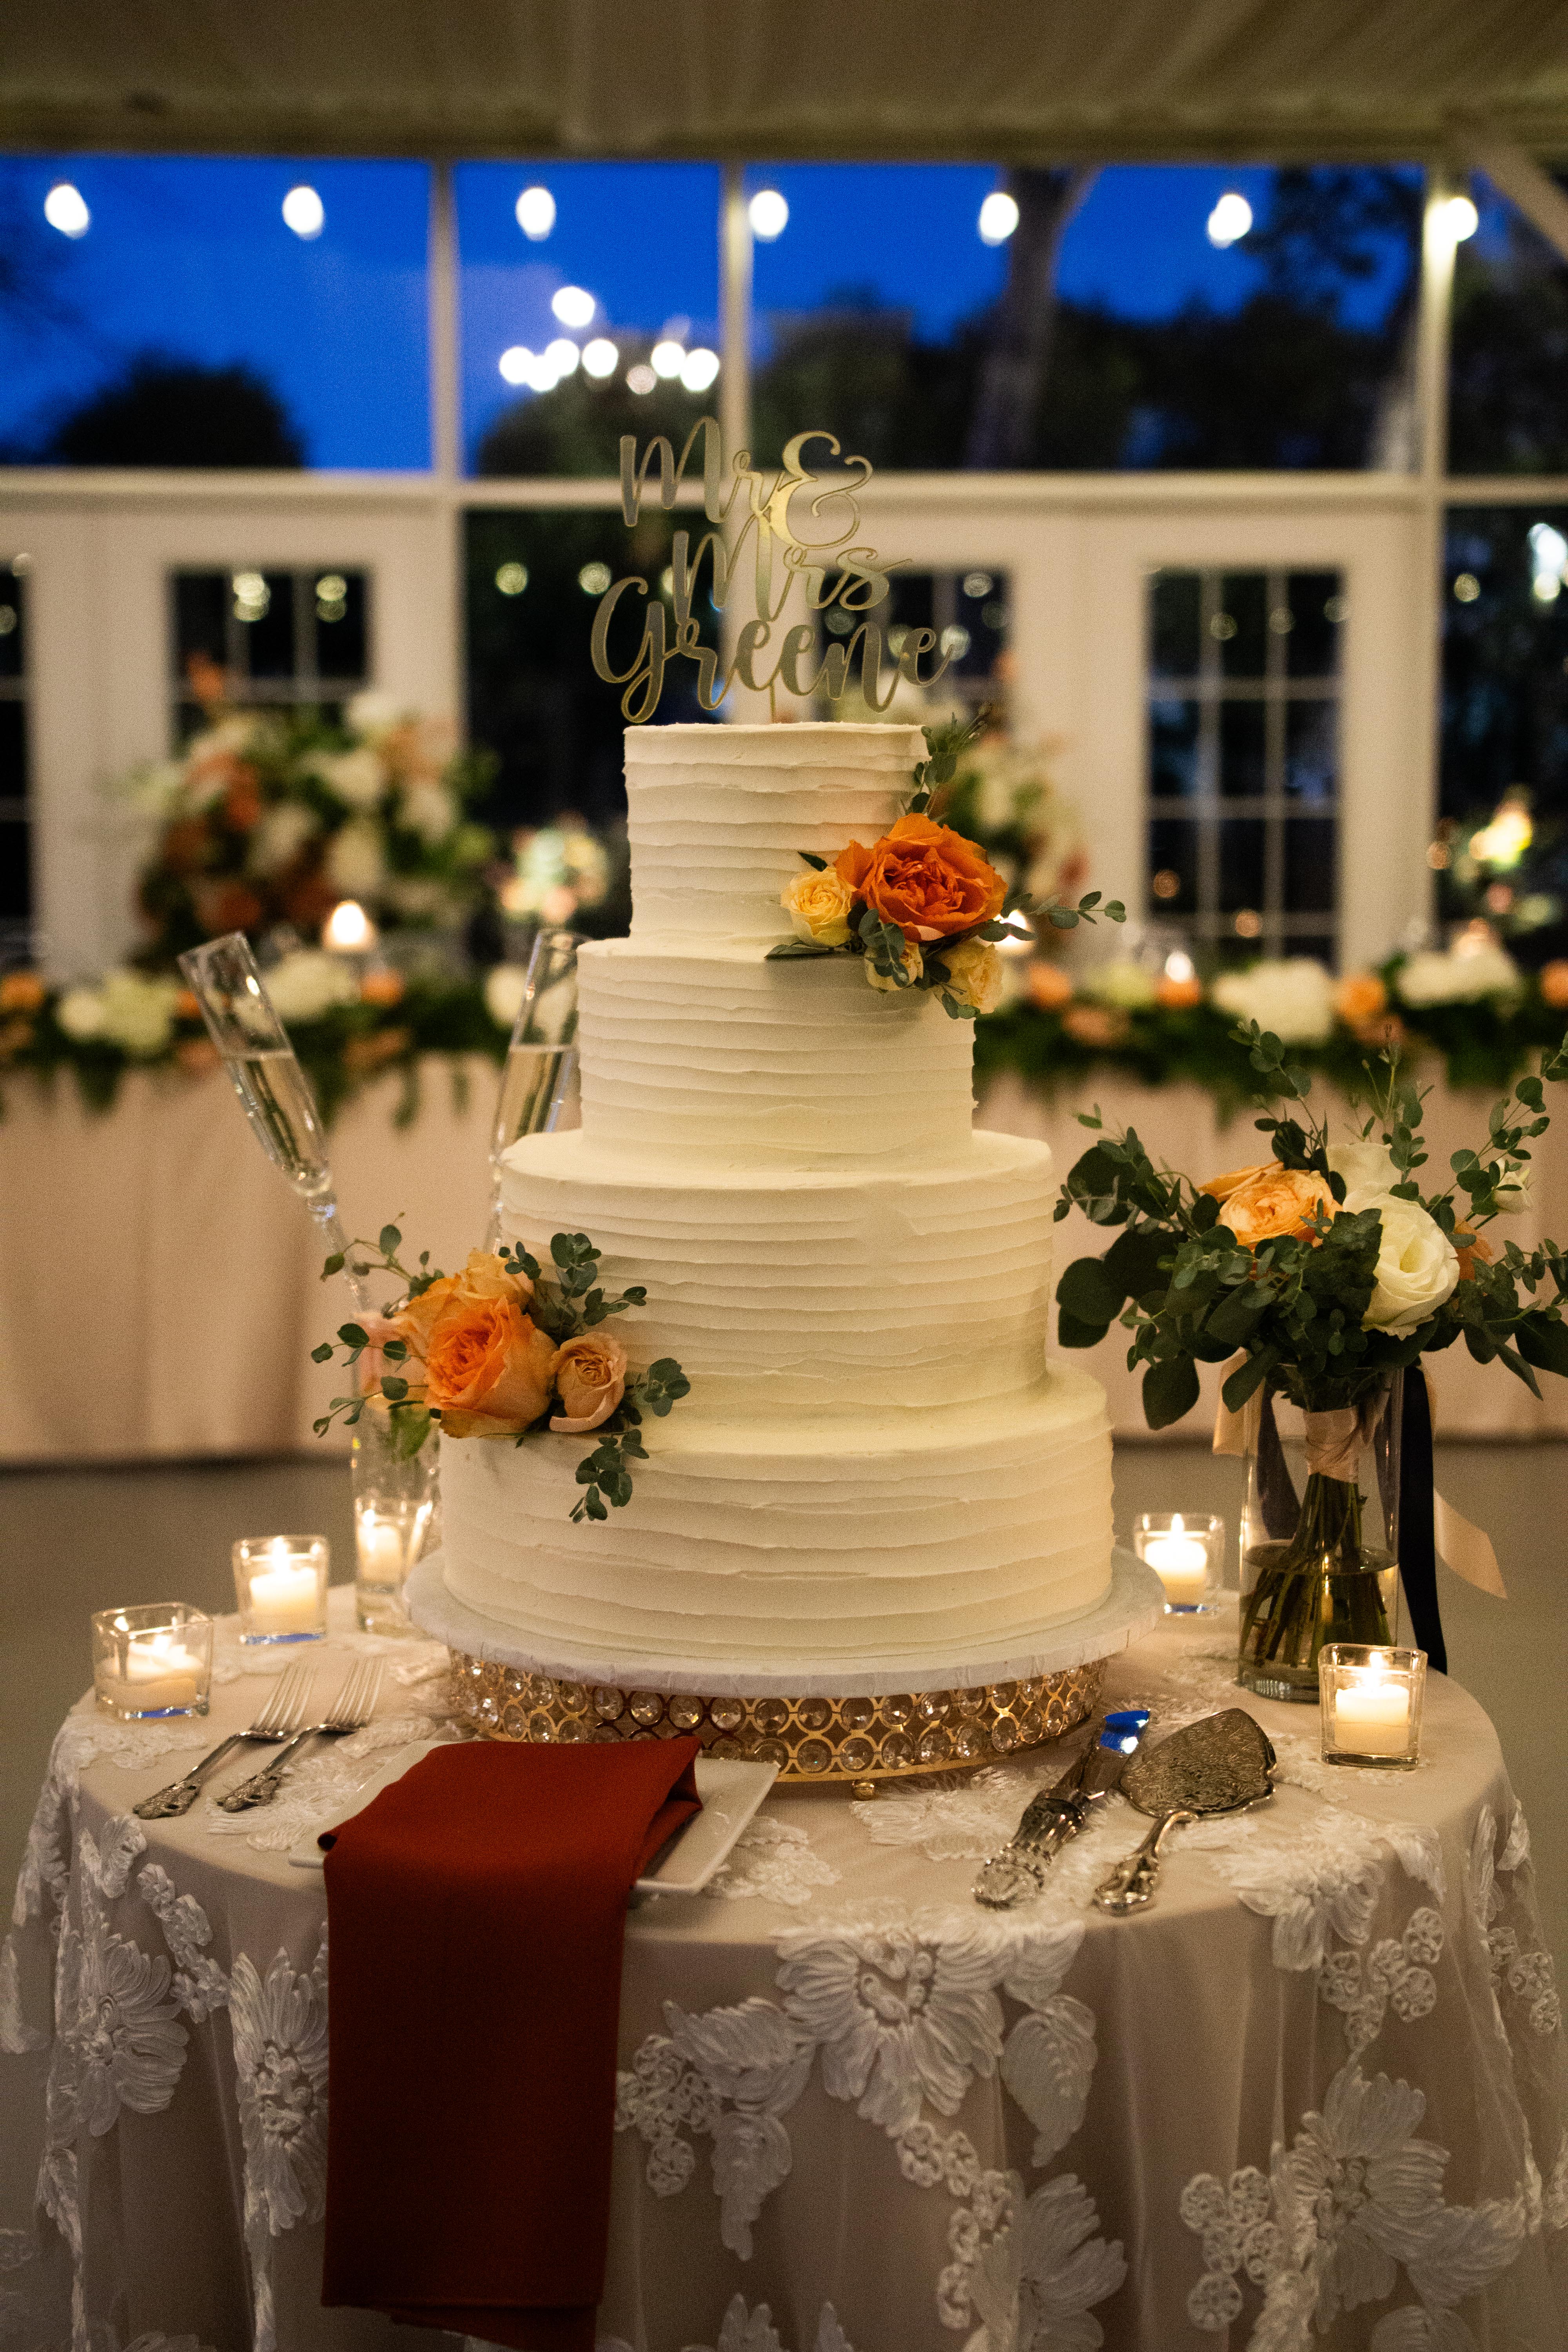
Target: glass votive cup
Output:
{"points": [[154, 1659], [1371, 1705], [281, 1583], [1186, 1551], [394, 1490]]}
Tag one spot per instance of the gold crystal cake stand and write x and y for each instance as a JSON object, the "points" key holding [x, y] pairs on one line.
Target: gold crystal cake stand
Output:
{"points": [[890, 1725]]}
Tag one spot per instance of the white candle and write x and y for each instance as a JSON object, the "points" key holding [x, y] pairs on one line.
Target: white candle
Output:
{"points": [[1181, 1561], [158, 1672], [284, 1598], [1371, 1712], [380, 1545]]}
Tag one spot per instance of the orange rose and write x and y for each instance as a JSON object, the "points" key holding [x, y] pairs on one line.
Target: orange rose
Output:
{"points": [[187, 1005], [590, 1376], [1382, 1029], [1272, 1201], [925, 879], [1472, 1250], [483, 1278], [1360, 997], [22, 991], [1049, 987], [382, 988], [1220, 1188], [1554, 985], [487, 1369], [1098, 1026], [1176, 995]]}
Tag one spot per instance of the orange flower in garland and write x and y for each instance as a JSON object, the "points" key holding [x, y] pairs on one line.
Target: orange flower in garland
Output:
{"points": [[924, 877], [489, 1369]]}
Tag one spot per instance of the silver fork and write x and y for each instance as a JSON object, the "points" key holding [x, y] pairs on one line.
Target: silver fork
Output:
{"points": [[349, 1711], [283, 1714]]}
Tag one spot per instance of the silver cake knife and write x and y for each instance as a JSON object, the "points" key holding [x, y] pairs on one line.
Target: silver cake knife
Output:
{"points": [[1058, 1814]]}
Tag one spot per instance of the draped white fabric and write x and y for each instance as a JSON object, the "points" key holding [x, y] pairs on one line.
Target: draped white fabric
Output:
{"points": [[1313, 81], [205, 1272], [1314, 2098]]}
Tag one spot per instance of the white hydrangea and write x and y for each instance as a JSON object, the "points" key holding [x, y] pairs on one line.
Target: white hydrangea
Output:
{"points": [[306, 984], [1121, 982], [1293, 996], [430, 811], [354, 859], [281, 835], [1457, 975], [357, 777], [374, 712], [80, 1014], [126, 1008], [503, 993]]}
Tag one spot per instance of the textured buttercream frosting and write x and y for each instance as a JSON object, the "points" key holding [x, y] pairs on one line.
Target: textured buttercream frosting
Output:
{"points": [[874, 1468]]}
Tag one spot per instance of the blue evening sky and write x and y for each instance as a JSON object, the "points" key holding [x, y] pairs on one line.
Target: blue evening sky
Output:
{"points": [[191, 257]]}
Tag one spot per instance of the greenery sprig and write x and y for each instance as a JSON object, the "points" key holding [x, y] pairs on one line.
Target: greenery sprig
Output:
{"points": [[1189, 1292]]}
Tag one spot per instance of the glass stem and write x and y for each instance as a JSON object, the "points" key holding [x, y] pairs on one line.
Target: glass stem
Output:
{"points": [[335, 1236]]}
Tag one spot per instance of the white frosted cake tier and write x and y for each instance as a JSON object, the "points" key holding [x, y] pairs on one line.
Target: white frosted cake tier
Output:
{"points": [[826, 1547], [692, 1047], [789, 1294]]}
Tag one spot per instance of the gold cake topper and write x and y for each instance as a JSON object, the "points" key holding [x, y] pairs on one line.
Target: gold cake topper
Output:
{"points": [[835, 568]]}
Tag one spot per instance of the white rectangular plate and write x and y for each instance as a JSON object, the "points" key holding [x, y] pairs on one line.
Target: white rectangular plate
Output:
{"points": [[731, 1791]]}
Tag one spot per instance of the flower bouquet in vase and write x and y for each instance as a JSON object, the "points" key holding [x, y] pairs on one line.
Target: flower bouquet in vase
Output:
{"points": [[1319, 1279]]}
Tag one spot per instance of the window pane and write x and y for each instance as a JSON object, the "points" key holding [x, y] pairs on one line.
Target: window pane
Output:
{"points": [[1509, 340], [1174, 860], [1241, 624], [1241, 853], [1242, 731], [1311, 750], [12, 752], [1309, 859], [630, 254], [1317, 614], [188, 324], [16, 886], [1176, 623], [284, 637], [1173, 750], [13, 623]]}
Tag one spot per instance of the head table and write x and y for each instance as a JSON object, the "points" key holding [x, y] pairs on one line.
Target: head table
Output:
{"points": [[1314, 2096]]}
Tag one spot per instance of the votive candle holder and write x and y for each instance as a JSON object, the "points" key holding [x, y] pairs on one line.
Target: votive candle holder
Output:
{"points": [[281, 1583], [1371, 1705], [153, 1659], [1186, 1551]]}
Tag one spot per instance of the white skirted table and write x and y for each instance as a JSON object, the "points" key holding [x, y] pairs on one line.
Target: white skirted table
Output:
{"points": [[208, 1271], [1314, 2097]]}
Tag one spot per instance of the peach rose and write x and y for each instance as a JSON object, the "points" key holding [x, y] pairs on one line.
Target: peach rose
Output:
{"points": [[483, 1278], [1220, 1188], [1472, 1250], [1554, 985], [382, 988], [1360, 997], [591, 1377], [1098, 1026], [489, 1369], [925, 877], [1049, 986], [818, 907], [1272, 1201]]}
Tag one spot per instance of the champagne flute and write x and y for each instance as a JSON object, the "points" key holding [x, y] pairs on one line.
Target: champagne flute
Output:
{"points": [[540, 1058], [273, 1090]]}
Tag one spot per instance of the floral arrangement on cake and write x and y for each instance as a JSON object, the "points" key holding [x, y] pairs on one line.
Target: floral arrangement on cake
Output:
{"points": [[922, 906], [1319, 1275], [270, 817], [503, 1350]]}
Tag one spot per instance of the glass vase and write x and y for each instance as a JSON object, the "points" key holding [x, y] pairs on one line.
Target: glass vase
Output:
{"points": [[1319, 1556], [397, 1500]]}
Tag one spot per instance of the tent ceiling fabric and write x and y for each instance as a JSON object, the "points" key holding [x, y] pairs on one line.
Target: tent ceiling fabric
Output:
{"points": [[1004, 81]]}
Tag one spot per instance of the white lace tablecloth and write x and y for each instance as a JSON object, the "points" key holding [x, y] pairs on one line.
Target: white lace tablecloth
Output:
{"points": [[1314, 2097]]}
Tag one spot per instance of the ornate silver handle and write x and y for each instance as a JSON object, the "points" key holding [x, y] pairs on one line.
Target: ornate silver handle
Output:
{"points": [[1020, 1869], [263, 1786], [166, 1804], [1131, 1885]]}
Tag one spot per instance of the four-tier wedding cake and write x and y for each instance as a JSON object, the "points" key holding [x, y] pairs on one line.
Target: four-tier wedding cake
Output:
{"points": [[874, 1474]]}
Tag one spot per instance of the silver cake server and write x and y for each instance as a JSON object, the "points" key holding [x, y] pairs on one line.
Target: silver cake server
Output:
{"points": [[1058, 1814], [1222, 1764]]}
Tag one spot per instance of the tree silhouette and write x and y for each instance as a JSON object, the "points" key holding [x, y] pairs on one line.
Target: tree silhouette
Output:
{"points": [[170, 412]]}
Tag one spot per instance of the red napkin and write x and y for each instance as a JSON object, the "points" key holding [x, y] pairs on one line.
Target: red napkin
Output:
{"points": [[477, 1910]]}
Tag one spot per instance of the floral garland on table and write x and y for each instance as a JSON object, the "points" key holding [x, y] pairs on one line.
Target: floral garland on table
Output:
{"points": [[503, 1350], [273, 817], [1471, 1004], [921, 906]]}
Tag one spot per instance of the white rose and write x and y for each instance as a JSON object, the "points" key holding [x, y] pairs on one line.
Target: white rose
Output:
{"points": [[357, 777], [279, 839], [1121, 982], [139, 1013], [80, 1014], [354, 862], [1455, 977], [308, 984], [503, 993], [1364, 1165], [1292, 996], [914, 964], [430, 811], [1512, 1193], [1417, 1264], [372, 712]]}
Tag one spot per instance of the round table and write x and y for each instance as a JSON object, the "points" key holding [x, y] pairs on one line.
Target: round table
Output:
{"points": [[1315, 2095]]}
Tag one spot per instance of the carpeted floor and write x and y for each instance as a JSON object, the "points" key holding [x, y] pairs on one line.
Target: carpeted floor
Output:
{"points": [[75, 1541]]}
